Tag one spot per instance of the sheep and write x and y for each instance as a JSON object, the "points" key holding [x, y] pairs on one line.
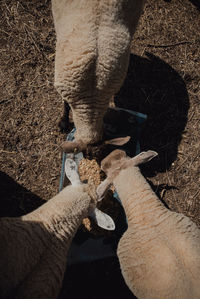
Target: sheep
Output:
{"points": [[34, 247], [159, 254], [92, 57]]}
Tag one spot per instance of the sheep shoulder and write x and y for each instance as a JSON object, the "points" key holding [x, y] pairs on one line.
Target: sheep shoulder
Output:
{"points": [[142, 259]]}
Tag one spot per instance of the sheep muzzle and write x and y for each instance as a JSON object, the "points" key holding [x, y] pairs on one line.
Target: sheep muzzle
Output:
{"points": [[78, 145]]}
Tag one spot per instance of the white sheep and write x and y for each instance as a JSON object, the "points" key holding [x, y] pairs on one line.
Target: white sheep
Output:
{"points": [[92, 57], [34, 247], [159, 253]]}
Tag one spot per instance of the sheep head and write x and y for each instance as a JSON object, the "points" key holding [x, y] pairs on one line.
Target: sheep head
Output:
{"points": [[117, 161], [79, 146]]}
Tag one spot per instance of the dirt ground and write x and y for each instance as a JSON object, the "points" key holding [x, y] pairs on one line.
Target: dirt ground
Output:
{"points": [[163, 81]]}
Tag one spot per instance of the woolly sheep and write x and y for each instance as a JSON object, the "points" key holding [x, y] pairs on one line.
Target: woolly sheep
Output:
{"points": [[92, 56], [33, 250], [159, 253]]}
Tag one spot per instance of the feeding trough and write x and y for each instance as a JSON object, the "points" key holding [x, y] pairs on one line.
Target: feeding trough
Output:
{"points": [[87, 246]]}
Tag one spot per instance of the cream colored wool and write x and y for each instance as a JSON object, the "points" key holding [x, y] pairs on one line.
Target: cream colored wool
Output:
{"points": [[159, 253], [33, 248], [92, 56]]}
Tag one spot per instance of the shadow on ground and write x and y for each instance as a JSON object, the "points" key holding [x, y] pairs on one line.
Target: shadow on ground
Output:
{"points": [[153, 87], [194, 2], [16, 200]]}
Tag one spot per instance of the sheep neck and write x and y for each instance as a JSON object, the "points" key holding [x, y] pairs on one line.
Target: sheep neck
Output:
{"points": [[88, 122], [63, 214], [141, 205]]}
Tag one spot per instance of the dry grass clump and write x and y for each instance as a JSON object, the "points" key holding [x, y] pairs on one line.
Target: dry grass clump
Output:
{"points": [[89, 171]]}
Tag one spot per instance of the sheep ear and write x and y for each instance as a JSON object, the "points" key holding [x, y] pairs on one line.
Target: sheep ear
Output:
{"points": [[102, 220], [71, 171], [118, 141], [102, 189], [144, 157]]}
